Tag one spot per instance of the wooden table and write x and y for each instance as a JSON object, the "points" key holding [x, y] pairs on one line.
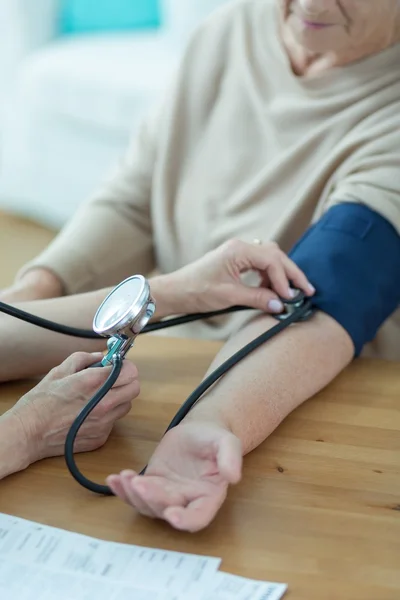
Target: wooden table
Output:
{"points": [[319, 503]]}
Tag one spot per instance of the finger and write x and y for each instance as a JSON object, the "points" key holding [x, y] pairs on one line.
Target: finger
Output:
{"points": [[96, 426], [256, 297], [279, 281], [230, 459], [115, 484], [297, 277], [197, 515], [133, 498], [129, 373], [90, 380], [255, 257], [158, 493], [119, 412], [264, 279], [116, 397], [91, 440], [101, 429], [76, 362], [266, 258]]}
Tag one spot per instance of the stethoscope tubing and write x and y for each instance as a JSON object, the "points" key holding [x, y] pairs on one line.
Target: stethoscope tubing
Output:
{"points": [[92, 335], [298, 313]]}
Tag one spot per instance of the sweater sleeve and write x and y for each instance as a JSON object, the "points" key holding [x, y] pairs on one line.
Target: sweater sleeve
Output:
{"points": [[371, 173], [110, 236]]}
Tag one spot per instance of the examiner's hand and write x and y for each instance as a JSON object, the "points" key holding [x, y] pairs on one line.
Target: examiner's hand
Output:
{"points": [[48, 410], [214, 281]]}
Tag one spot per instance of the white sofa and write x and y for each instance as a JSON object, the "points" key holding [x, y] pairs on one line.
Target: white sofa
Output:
{"points": [[69, 105]]}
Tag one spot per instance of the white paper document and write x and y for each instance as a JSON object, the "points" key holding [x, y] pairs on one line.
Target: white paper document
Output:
{"points": [[228, 587], [42, 562]]}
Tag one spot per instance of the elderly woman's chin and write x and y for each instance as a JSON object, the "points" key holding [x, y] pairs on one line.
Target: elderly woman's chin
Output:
{"points": [[317, 38]]}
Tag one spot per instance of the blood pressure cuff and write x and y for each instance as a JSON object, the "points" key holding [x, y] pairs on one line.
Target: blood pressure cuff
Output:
{"points": [[352, 257]]}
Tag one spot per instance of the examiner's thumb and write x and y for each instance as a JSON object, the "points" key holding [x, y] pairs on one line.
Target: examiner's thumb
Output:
{"points": [[79, 361], [259, 298]]}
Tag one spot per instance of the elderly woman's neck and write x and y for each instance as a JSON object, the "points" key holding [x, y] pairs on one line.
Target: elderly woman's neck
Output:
{"points": [[306, 64]]}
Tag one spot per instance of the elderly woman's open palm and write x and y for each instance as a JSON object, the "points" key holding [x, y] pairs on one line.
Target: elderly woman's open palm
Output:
{"points": [[187, 478]]}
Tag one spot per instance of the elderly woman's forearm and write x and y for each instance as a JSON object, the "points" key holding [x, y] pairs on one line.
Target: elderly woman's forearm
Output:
{"points": [[258, 393]]}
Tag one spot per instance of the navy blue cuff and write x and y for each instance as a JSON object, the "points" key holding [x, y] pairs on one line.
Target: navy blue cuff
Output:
{"points": [[352, 257]]}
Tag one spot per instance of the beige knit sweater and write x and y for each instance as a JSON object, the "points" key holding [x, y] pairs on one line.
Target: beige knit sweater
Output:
{"points": [[240, 147]]}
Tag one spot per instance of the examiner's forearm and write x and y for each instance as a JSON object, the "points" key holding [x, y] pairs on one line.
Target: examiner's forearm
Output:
{"points": [[257, 394], [26, 350], [171, 296]]}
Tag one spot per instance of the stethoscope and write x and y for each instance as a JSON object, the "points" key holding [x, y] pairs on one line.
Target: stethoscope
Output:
{"points": [[122, 316]]}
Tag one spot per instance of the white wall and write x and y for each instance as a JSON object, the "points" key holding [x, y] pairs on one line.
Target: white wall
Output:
{"points": [[182, 16]]}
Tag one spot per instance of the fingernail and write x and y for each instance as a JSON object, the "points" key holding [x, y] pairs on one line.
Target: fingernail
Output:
{"points": [[292, 293], [275, 305], [311, 288]]}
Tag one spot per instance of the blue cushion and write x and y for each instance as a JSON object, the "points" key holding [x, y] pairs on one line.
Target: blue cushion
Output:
{"points": [[89, 16]]}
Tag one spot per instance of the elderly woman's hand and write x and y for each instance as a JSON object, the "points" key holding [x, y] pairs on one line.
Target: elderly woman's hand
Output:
{"points": [[214, 281], [47, 411], [187, 478]]}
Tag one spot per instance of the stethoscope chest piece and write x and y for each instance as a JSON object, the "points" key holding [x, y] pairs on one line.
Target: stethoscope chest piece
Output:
{"points": [[292, 306], [123, 314]]}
